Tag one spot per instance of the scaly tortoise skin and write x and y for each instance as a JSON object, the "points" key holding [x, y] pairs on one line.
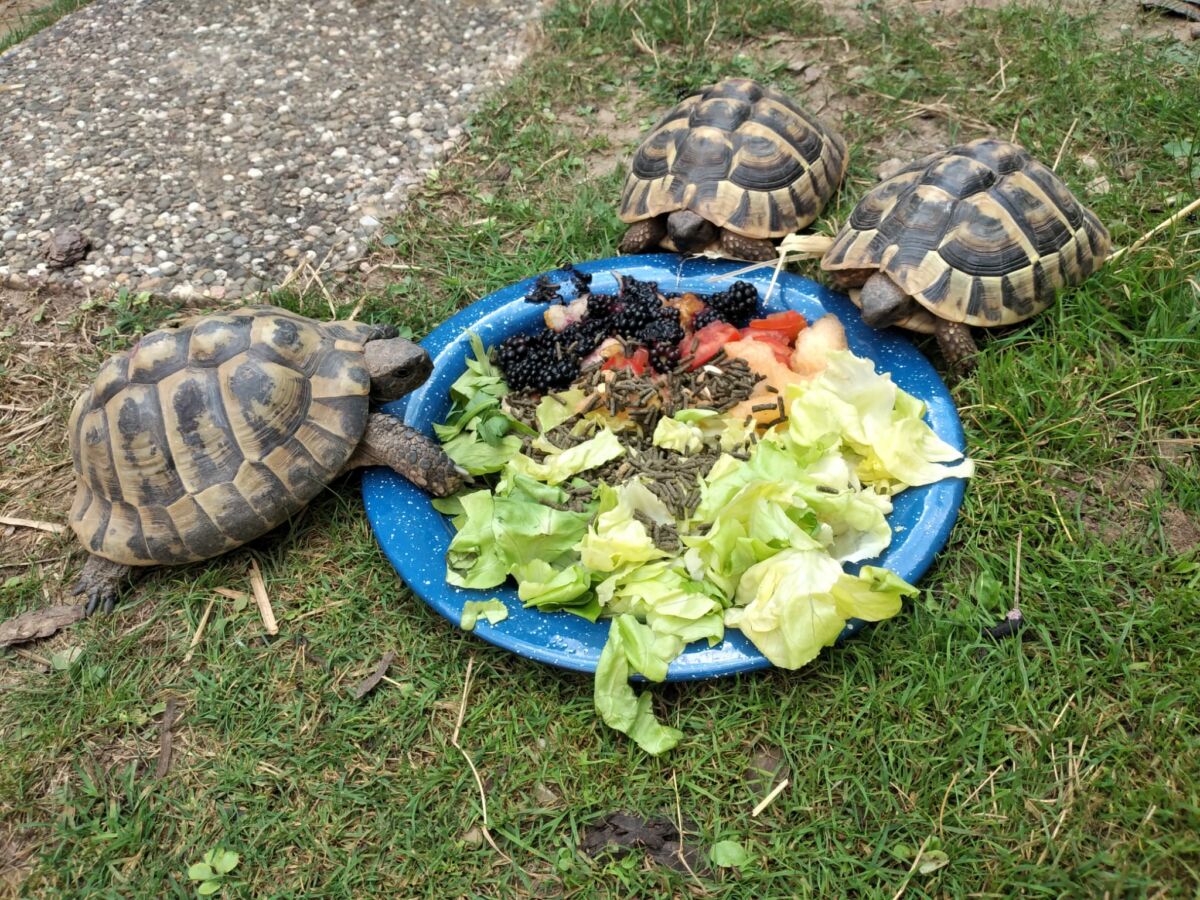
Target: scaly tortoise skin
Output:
{"points": [[209, 434], [730, 168], [980, 234]]}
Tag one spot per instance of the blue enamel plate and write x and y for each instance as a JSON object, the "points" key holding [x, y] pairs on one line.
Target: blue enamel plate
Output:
{"points": [[415, 536]]}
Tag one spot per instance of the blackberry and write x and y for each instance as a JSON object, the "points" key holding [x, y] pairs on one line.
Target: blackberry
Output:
{"points": [[602, 306], [662, 337], [661, 330], [737, 305], [544, 291], [706, 316]]}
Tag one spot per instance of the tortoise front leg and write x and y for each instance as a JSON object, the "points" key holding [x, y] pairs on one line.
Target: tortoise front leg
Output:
{"points": [[100, 582], [740, 247], [644, 236], [958, 347], [389, 442]]}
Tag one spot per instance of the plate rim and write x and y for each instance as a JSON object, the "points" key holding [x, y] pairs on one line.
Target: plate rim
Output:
{"points": [[442, 338]]}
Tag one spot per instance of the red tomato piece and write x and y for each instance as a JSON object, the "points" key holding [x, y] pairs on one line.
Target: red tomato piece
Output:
{"points": [[789, 322], [771, 337], [704, 344], [638, 363]]}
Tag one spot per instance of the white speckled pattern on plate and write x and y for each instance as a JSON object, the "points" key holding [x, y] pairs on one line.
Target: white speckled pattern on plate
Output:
{"points": [[414, 536]]}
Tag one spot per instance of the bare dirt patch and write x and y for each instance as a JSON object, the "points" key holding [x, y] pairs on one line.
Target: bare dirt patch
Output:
{"points": [[1181, 530], [15, 14], [1113, 505], [615, 128]]}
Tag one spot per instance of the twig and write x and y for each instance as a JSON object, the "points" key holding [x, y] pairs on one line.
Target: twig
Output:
{"points": [[1167, 223], [1063, 146], [51, 527], [232, 594], [187, 657], [165, 737], [368, 684], [907, 878], [559, 155], [462, 710], [679, 828], [261, 598], [769, 799], [32, 657]]}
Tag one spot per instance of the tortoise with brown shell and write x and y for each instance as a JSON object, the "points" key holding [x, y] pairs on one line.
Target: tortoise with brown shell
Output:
{"points": [[980, 234], [208, 434], [731, 168]]}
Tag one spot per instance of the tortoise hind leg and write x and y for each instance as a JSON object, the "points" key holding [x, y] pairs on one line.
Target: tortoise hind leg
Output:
{"points": [[644, 236], [389, 442], [958, 347], [100, 582], [741, 247]]}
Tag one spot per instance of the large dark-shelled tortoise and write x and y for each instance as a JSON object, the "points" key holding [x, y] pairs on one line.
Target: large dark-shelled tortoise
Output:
{"points": [[208, 434]]}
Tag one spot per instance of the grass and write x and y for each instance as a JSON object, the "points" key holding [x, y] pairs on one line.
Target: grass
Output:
{"points": [[1062, 765], [26, 24]]}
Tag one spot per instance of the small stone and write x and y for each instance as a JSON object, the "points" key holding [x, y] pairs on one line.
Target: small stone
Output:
{"points": [[369, 222], [415, 120], [217, 293], [340, 153], [1099, 185], [169, 268], [254, 173], [1089, 162]]}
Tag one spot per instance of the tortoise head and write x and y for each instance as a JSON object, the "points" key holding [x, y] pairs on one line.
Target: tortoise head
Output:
{"points": [[689, 231], [397, 366], [884, 303]]}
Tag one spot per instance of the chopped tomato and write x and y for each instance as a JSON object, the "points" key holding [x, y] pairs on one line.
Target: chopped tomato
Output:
{"points": [[763, 334], [789, 322], [704, 344], [638, 363]]}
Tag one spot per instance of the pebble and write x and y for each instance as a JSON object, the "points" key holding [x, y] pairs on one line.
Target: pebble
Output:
{"points": [[275, 153]]}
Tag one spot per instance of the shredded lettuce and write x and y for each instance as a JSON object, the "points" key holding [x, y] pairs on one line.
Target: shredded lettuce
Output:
{"points": [[850, 403], [562, 464], [474, 610], [798, 601], [632, 647]]}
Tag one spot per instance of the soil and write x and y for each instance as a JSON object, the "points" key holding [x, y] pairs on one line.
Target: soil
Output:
{"points": [[1113, 506], [15, 14]]}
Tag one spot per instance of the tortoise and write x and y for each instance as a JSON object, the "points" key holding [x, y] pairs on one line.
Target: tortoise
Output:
{"points": [[210, 433], [978, 234], [65, 247], [728, 169]]}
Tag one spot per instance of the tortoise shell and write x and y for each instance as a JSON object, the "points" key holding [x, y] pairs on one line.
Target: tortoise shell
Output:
{"points": [[206, 435], [742, 156], [980, 233]]}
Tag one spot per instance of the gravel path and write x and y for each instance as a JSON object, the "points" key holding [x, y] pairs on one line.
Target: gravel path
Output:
{"points": [[204, 146]]}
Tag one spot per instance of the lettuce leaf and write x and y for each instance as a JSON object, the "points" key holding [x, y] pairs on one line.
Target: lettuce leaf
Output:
{"points": [[554, 409], [798, 601], [616, 538], [677, 435], [850, 403], [633, 647], [560, 466], [473, 610], [499, 534]]}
